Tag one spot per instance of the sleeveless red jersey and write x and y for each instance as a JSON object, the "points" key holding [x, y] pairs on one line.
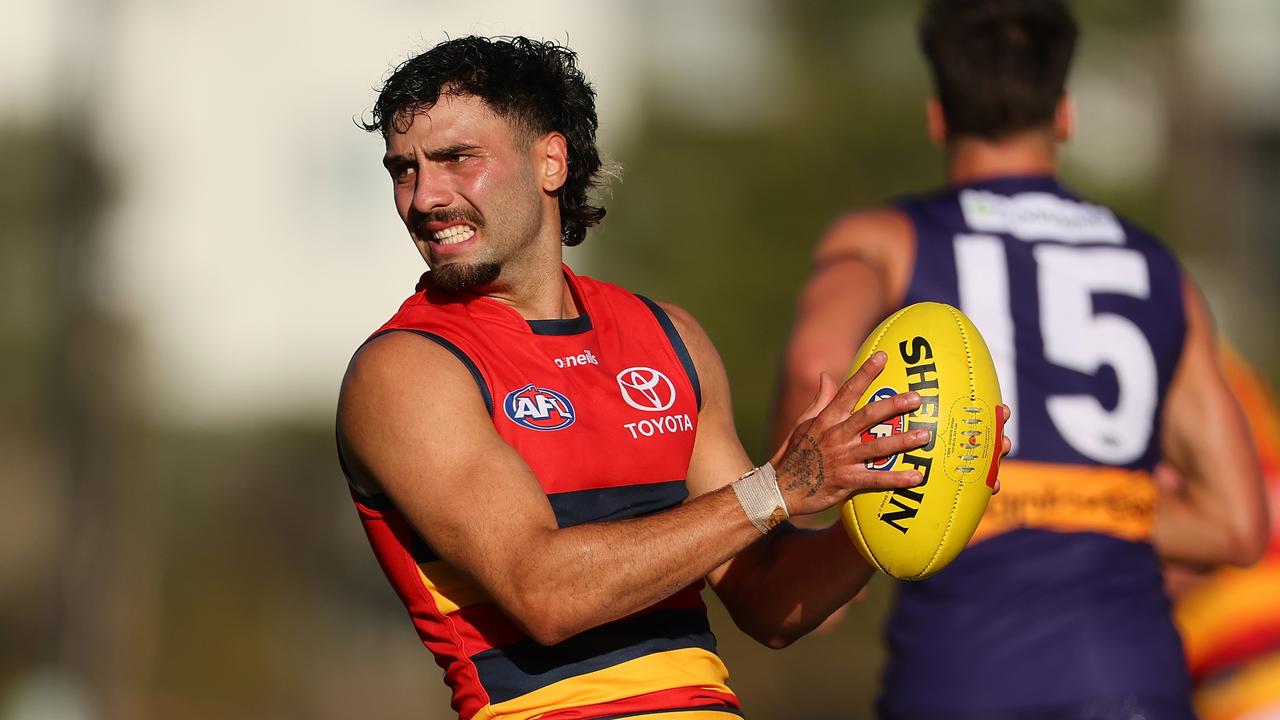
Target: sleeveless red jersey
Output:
{"points": [[603, 408]]}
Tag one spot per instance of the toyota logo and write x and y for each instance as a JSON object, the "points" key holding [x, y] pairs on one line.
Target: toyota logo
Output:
{"points": [[646, 389]]}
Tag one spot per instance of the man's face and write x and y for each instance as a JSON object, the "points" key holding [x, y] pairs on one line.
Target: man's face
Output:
{"points": [[465, 188]]}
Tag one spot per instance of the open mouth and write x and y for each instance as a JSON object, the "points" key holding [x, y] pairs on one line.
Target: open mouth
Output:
{"points": [[453, 234]]}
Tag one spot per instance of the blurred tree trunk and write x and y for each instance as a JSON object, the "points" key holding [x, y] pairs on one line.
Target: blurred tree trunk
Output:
{"points": [[102, 590]]}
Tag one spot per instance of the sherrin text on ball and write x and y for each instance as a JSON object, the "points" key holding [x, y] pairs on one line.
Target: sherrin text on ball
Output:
{"points": [[935, 351]]}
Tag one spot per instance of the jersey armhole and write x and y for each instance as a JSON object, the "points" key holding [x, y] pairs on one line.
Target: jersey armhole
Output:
{"points": [[379, 501], [677, 344]]}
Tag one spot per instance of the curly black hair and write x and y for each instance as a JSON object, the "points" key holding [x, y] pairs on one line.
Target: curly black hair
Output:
{"points": [[535, 85], [999, 66]]}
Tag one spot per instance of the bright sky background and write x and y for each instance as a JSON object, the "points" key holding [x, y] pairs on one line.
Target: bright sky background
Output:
{"points": [[253, 242]]}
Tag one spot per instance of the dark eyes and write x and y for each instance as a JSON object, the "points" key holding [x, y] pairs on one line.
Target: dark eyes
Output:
{"points": [[403, 171]]}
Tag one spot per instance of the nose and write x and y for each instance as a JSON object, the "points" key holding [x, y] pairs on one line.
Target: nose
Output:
{"points": [[432, 191]]}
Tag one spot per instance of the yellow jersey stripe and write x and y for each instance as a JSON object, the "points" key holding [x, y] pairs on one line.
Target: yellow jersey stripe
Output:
{"points": [[693, 668], [449, 588]]}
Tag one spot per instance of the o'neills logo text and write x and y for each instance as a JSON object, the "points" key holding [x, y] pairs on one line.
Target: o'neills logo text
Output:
{"points": [[922, 377], [586, 357]]}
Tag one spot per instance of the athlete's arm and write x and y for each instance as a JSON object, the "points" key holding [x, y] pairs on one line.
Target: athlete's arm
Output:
{"points": [[787, 582], [860, 272], [1219, 515], [412, 424]]}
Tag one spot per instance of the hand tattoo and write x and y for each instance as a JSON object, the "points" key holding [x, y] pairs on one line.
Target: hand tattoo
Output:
{"points": [[806, 466]]}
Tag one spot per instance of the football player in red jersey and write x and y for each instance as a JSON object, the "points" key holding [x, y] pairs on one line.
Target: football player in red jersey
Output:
{"points": [[1106, 353], [546, 464]]}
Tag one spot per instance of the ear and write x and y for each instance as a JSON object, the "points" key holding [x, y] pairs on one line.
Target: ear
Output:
{"points": [[1064, 118], [935, 121], [552, 161]]}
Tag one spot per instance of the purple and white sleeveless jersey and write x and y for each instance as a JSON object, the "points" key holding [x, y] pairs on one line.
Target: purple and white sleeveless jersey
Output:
{"points": [[1057, 608]]}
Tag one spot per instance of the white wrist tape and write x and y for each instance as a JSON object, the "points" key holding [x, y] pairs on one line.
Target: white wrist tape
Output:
{"points": [[758, 493]]}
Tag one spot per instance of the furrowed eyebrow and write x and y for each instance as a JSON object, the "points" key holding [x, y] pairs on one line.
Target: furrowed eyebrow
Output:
{"points": [[449, 150], [397, 161]]}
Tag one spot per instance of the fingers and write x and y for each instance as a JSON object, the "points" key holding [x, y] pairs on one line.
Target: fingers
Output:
{"points": [[891, 445], [873, 414], [1003, 413], [851, 391], [881, 410], [865, 480], [826, 391]]}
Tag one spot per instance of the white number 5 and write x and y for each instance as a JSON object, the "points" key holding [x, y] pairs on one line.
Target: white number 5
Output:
{"points": [[1075, 337]]}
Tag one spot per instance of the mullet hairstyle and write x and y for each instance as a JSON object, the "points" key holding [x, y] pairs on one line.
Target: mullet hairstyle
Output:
{"points": [[534, 85], [999, 66]]}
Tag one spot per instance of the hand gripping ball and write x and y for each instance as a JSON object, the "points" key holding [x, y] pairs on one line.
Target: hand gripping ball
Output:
{"points": [[934, 350]]}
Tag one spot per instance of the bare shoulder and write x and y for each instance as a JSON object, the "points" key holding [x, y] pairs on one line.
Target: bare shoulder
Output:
{"points": [[391, 353], [401, 367], [706, 359], [687, 325], [883, 230], [880, 241]]}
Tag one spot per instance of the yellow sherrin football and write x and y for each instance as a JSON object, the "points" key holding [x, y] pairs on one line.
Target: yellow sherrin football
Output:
{"points": [[933, 349]]}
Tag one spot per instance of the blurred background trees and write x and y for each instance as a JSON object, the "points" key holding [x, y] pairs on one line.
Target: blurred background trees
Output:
{"points": [[178, 542]]}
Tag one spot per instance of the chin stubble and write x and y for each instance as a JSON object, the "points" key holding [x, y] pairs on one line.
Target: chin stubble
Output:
{"points": [[457, 277]]}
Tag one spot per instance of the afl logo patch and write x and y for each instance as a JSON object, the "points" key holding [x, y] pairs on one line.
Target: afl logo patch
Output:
{"points": [[538, 408], [892, 426], [646, 389]]}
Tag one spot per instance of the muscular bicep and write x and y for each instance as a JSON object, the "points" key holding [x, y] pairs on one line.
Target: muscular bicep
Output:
{"points": [[412, 424]]}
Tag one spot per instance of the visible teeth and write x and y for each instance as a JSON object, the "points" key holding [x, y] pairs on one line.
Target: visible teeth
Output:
{"points": [[453, 234]]}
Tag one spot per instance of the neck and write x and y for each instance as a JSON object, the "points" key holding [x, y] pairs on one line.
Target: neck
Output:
{"points": [[535, 287], [971, 159]]}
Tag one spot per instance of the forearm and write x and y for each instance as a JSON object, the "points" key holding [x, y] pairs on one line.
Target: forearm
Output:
{"points": [[572, 579], [787, 584]]}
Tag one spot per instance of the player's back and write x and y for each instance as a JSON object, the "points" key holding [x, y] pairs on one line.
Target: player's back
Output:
{"points": [[1056, 609]]}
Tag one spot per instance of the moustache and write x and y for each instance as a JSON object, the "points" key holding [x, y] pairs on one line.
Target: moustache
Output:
{"points": [[470, 215]]}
